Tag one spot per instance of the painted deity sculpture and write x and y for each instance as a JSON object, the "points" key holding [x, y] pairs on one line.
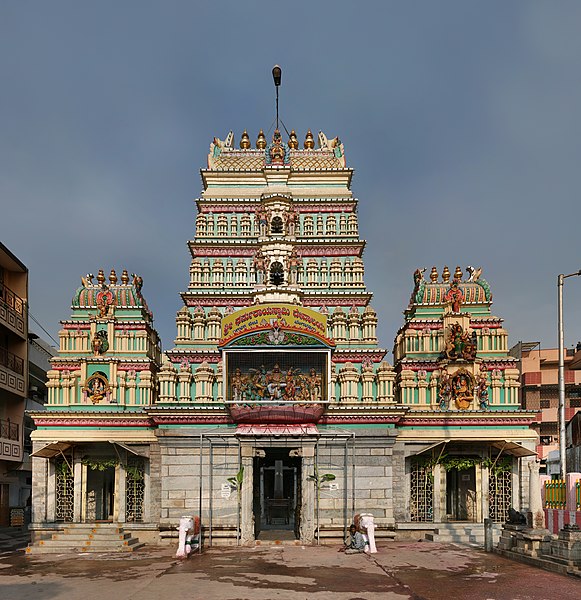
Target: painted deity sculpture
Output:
{"points": [[482, 390], [462, 389], [260, 267], [261, 218], [444, 390], [460, 344], [455, 296]]}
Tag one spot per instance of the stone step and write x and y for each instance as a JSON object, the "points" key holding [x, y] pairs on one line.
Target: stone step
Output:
{"points": [[64, 543], [278, 543], [462, 533], [87, 537], [84, 549], [98, 535], [92, 529]]}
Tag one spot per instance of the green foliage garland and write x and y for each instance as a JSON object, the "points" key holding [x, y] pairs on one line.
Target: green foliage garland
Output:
{"points": [[462, 463], [101, 464]]}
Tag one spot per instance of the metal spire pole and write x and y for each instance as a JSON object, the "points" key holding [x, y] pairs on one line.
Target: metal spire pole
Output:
{"points": [[276, 75]]}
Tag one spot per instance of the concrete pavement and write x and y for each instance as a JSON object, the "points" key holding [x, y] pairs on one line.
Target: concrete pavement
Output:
{"points": [[400, 570]]}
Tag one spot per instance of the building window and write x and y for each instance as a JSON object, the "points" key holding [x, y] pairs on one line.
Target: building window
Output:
{"points": [[276, 225], [276, 274]]}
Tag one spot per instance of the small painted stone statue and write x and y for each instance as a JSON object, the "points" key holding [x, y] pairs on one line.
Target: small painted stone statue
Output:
{"points": [[482, 390], [261, 217], [444, 390], [260, 267]]}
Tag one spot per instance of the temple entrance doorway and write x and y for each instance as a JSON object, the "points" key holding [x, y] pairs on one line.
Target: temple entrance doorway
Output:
{"points": [[100, 498], [461, 494], [277, 495]]}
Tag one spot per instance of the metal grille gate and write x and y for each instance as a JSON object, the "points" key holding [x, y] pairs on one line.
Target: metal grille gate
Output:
{"points": [[500, 495], [422, 492]]}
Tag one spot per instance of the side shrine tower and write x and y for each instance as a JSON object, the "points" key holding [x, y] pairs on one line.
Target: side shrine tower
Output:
{"points": [[274, 416], [464, 434]]}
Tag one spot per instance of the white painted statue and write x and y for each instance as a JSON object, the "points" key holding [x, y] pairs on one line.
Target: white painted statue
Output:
{"points": [[187, 540], [366, 522]]}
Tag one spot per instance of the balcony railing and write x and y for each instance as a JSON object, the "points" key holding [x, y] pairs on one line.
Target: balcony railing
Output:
{"points": [[8, 430], [11, 361], [11, 299]]}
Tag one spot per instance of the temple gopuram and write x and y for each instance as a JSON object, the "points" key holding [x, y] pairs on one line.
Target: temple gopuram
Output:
{"points": [[275, 415]]}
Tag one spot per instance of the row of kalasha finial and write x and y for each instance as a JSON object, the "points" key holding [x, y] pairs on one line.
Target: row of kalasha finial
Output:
{"points": [[473, 274], [293, 142], [87, 280]]}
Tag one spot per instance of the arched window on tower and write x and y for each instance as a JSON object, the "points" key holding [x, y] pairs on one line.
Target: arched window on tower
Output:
{"points": [[276, 225], [276, 273]]}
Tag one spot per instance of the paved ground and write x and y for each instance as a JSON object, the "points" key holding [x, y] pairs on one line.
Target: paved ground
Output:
{"points": [[399, 571]]}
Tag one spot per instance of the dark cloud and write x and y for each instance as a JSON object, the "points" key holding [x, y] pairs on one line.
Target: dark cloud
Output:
{"points": [[461, 120]]}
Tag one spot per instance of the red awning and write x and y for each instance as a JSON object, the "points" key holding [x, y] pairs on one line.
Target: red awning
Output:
{"points": [[277, 429]]}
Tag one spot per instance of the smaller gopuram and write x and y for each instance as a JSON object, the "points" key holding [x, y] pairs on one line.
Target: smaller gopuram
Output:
{"points": [[95, 431], [464, 432]]}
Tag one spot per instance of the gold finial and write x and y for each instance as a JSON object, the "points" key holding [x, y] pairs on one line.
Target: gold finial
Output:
{"points": [[293, 143], [434, 275], [125, 277], [100, 277], [261, 141], [245, 141], [113, 277], [446, 275], [458, 273], [309, 141]]}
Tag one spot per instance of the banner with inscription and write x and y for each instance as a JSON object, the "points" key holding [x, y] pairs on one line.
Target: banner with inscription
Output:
{"points": [[279, 321]]}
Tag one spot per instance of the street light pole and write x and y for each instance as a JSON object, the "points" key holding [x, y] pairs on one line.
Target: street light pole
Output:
{"points": [[562, 445]]}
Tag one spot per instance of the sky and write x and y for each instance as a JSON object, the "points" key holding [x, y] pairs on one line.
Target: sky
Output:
{"points": [[460, 118]]}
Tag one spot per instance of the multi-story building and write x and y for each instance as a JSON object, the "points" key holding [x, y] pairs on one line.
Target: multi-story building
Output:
{"points": [[40, 354], [275, 409], [13, 376], [539, 391]]}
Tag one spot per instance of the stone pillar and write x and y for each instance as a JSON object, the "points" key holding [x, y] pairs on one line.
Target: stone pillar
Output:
{"points": [[246, 508], [39, 486], [120, 494], [308, 498], [50, 491], [485, 491], [438, 505], [78, 490], [480, 497]]}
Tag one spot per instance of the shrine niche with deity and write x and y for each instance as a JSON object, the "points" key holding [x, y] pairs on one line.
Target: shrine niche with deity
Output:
{"points": [[460, 344], [100, 342], [97, 388], [462, 389]]}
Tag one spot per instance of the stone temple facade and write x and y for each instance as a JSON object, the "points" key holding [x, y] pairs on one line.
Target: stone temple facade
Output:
{"points": [[275, 412]]}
